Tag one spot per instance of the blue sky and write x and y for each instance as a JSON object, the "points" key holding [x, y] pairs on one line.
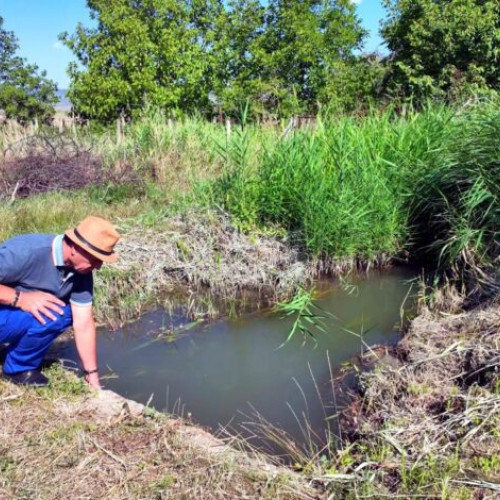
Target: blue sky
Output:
{"points": [[37, 23]]}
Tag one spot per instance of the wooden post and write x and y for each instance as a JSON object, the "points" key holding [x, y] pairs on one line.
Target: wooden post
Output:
{"points": [[228, 127], [118, 131]]}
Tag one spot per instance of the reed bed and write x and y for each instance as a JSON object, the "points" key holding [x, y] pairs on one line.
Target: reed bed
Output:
{"points": [[424, 183], [202, 261]]}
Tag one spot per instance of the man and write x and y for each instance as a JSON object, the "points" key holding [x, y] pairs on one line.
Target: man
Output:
{"points": [[46, 286]]}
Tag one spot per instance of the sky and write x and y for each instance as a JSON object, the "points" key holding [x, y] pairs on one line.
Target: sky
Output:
{"points": [[37, 24]]}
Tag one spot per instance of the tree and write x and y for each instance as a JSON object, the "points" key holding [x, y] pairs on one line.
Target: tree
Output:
{"points": [[442, 48], [142, 52], [239, 58], [310, 44], [179, 55], [24, 94], [354, 84]]}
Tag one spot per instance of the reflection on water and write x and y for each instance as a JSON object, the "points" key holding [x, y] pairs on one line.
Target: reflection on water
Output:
{"points": [[225, 371]]}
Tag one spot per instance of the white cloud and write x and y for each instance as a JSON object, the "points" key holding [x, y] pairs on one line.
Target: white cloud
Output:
{"points": [[356, 2], [57, 46]]}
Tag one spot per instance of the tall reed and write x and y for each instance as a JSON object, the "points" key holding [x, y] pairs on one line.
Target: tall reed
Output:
{"points": [[426, 181]]}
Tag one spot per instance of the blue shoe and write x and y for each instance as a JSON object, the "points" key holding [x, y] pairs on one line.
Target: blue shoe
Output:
{"points": [[34, 378]]}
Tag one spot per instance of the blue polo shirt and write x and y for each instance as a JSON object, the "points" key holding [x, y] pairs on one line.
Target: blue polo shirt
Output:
{"points": [[32, 262]]}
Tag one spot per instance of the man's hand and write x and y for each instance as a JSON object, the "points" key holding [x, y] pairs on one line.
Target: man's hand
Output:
{"points": [[93, 381], [40, 303], [86, 342]]}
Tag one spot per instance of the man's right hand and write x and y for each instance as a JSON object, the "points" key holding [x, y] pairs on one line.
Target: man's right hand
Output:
{"points": [[40, 304]]}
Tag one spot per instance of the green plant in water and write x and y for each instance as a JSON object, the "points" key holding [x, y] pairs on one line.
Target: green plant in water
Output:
{"points": [[309, 317]]}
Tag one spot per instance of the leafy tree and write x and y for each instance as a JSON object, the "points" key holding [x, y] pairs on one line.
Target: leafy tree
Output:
{"points": [[442, 48], [309, 45], [355, 84], [284, 57], [239, 58], [142, 51], [24, 94]]}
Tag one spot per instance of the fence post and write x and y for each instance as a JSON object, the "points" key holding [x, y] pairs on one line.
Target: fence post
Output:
{"points": [[118, 131]]}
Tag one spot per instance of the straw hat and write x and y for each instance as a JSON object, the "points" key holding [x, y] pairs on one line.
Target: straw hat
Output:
{"points": [[96, 236]]}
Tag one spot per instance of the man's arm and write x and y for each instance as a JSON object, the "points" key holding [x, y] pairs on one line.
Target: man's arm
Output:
{"points": [[86, 341], [7, 295], [12, 263]]}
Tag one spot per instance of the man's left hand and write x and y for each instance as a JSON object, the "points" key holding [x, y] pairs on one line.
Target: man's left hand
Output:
{"points": [[93, 381]]}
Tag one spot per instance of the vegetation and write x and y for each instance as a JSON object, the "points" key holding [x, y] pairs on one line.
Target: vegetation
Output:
{"points": [[423, 184], [425, 422], [283, 57], [232, 208], [444, 49], [199, 56], [24, 94]]}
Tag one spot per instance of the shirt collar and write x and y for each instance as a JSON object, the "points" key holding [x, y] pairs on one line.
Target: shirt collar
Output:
{"points": [[57, 251]]}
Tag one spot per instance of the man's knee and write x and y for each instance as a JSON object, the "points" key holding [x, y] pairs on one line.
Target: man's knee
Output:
{"points": [[55, 326]]}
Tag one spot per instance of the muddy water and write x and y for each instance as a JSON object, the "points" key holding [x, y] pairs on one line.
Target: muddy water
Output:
{"points": [[226, 372]]}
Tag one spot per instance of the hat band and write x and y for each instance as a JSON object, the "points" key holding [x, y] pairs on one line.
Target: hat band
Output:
{"points": [[88, 244]]}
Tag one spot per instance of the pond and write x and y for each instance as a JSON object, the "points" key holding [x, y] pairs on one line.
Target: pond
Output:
{"points": [[241, 373]]}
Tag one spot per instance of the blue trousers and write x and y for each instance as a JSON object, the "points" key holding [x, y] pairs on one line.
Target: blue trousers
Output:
{"points": [[28, 339]]}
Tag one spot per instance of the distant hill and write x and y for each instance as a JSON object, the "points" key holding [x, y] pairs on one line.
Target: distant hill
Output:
{"points": [[64, 103]]}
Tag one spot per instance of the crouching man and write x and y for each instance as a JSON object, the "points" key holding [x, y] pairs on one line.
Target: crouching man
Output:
{"points": [[46, 287]]}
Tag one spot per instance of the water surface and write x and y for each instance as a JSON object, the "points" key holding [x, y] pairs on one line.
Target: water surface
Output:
{"points": [[224, 372]]}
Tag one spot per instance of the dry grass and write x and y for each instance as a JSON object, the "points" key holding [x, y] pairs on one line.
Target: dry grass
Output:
{"points": [[64, 442], [198, 255], [428, 418]]}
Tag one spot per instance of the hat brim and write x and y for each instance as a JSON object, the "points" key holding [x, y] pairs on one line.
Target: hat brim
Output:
{"points": [[109, 259]]}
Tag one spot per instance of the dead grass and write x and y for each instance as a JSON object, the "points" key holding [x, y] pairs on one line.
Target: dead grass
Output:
{"points": [[64, 442], [428, 417], [41, 163], [205, 259]]}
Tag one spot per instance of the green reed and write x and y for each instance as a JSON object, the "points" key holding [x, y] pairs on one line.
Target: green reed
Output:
{"points": [[425, 181]]}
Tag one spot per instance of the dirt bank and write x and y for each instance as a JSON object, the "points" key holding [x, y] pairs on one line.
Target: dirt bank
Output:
{"points": [[204, 263], [65, 442], [426, 422], [195, 258]]}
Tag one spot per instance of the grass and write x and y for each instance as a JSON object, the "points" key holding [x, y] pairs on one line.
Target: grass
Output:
{"points": [[352, 189], [64, 441]]}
